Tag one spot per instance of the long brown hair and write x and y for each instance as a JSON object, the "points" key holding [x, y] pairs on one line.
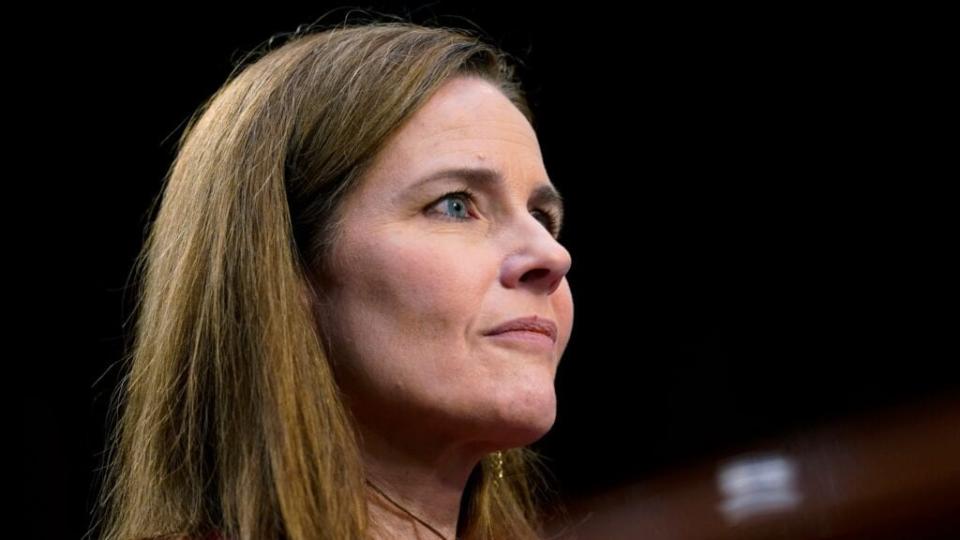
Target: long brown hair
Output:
{"points": [[228, 417]]}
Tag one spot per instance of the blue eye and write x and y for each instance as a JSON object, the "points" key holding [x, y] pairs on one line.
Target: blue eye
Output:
{"points": [[456, 202]]}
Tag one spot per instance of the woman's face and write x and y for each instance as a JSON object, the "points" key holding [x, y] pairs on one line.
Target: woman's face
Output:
{"points": [[418, 280]]}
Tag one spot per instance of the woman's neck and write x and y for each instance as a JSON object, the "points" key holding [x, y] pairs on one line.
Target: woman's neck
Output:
{"points": [[420, 477]]}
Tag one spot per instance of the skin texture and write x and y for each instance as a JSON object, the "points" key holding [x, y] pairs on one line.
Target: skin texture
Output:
{"points": [[414, 289]]}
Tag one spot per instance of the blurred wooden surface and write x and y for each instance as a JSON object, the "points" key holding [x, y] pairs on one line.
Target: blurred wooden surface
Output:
{"points": [[890, 475]]}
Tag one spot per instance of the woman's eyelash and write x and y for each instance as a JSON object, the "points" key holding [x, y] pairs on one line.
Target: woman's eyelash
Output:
{"points": [[466, 194], [554, 220]]}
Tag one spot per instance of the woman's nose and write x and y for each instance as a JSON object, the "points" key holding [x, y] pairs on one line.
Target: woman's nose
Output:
{"points": [[538, 261]]}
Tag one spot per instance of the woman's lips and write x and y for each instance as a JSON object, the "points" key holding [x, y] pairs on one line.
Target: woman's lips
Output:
{"points": [[531, 334], [525, 340], [529, 325]]}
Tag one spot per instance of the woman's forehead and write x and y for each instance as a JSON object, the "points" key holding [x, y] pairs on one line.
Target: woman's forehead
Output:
{"points": [[468, 123]]}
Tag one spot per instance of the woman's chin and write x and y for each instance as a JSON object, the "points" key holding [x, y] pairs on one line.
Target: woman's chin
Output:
{"points": [[526, 418]]}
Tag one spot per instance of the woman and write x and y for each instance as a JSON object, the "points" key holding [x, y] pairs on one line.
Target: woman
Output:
{"points": [[353, 303]]}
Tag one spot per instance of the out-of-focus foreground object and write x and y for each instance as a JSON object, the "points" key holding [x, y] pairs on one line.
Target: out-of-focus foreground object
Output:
{"points": [[892, 475]]}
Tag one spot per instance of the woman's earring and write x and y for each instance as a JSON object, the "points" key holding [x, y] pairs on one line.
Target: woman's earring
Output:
{"points": [[497, 466]]}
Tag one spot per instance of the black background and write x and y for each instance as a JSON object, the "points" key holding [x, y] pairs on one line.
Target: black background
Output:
{"points": [[760, 229]]}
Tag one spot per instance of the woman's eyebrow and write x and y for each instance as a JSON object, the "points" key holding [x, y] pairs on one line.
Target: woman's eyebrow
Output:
{"points": [[543, 195]]}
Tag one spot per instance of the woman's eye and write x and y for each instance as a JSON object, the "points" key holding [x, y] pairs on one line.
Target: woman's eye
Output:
{"points": [[456, 204], [551, 221], [547, 220]]}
